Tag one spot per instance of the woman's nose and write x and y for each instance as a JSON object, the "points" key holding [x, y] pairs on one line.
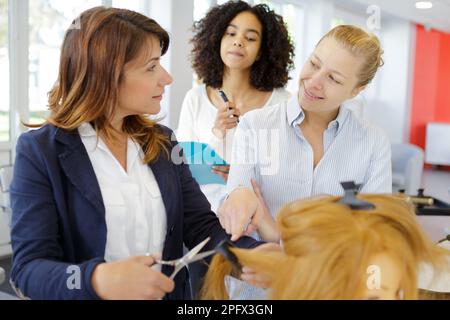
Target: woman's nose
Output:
{"points": [[166, 79], [238, 43], [316, 81], [169, 79]]}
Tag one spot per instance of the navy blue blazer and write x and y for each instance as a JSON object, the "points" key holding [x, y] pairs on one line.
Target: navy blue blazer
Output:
{"points": [[58, 222]]}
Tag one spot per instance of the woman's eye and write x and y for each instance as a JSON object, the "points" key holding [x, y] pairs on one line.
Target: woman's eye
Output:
{"points": [[333, 79], [152, 68], [230, 34], [313, 65], [251, 39]]}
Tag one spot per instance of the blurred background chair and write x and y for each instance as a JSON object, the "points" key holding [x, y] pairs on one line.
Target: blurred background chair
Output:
{"points": [[5, 220], [407, 167], [5, 181]]}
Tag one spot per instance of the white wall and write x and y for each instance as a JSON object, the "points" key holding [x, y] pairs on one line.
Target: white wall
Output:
{"points": [[177, 18], [318, 15], [388, 105], [182, 20]]}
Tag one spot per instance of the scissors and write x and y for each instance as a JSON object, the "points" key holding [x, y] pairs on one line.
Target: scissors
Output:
{"points": [[192, 256]]}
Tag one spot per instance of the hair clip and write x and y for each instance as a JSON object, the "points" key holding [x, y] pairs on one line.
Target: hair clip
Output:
{"points": [[447, 238], [223, 248], [351, 190]]}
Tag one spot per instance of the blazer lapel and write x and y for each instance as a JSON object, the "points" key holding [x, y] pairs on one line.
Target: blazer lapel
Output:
{"points": [[78, 168], [166, 179], [76, 165]]}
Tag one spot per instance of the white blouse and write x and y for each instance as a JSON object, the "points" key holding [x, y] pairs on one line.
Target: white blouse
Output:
{"points": [[135, 215], [196, 121], [198, 114]]}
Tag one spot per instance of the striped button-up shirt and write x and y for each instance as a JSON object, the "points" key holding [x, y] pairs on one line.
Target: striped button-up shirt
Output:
{"points": [[269, 147]]}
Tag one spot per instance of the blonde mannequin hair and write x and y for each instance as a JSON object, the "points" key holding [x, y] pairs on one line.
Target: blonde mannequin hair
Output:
{"points": [[327, 248]]}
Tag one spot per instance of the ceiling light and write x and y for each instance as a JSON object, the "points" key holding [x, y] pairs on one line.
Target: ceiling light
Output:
{"points": [[424, 4]]}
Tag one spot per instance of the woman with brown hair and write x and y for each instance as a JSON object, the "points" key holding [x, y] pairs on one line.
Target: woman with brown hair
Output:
{"points": [[95, 195], [331, 251]]}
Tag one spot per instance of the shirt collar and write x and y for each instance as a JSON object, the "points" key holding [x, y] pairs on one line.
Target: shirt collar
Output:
{"points": [[338, 123], [133, 149], [86, 130], [295, 115]]}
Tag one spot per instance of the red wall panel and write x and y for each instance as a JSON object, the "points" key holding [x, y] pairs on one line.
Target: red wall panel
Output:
{"points": [[425, 83], [442, 111]]}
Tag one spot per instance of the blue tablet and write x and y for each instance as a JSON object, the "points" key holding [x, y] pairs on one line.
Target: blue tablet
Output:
{"points": [[201, 158]]}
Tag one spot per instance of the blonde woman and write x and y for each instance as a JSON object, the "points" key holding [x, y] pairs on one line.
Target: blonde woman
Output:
{"points": [[307, 146], [331, 251]]}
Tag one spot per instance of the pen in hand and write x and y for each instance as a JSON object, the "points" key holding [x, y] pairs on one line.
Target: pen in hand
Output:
{"points": [[225, 99]]}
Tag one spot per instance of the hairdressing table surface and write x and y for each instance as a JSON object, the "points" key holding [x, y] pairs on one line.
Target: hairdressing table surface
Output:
{"points": [[436, 227]]}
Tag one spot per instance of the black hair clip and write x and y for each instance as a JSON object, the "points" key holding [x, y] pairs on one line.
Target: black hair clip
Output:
{"points": [[447, 238], [351, 190], [223, 248]]}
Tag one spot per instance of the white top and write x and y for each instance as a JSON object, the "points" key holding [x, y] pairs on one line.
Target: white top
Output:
{"points": [[196, 121], [198, 115], [134, 210]]}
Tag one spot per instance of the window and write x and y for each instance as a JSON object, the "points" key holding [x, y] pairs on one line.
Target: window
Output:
{"points": [[293, 16], [4, 72], [48, 21], [201, 7]]}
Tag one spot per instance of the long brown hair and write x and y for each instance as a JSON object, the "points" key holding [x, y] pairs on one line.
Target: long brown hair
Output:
{"points": [[92, 61], [327, 248]]}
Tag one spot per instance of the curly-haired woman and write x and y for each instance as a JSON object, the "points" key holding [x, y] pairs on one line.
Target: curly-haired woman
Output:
{"points": [[246, 52]]}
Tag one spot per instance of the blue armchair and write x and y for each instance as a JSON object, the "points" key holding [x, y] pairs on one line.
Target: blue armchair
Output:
{"points": [[407, 167]]}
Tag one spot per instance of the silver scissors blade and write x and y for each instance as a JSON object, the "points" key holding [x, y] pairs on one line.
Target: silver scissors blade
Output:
{"points": [[191, 254], [202, 255], [188, 258]]}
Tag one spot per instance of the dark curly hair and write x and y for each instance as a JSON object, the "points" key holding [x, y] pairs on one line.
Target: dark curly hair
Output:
{"points": [[277, 51]]}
